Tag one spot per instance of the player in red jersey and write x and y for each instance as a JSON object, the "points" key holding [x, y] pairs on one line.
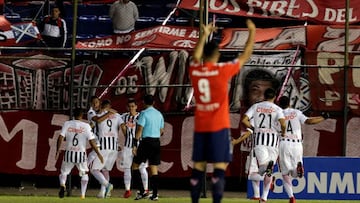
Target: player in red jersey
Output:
{"points": [[212, 140]]}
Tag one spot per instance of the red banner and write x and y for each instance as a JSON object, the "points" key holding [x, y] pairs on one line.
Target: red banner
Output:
{"points": [[327, 84], [312, 37], [320, 11]]}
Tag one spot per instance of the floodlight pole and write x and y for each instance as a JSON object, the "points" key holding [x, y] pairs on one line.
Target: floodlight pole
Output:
{"points": [[71, 83], [346, 67]]}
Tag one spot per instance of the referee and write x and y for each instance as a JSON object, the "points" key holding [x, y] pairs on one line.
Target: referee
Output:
{"points": [[150, 126]]}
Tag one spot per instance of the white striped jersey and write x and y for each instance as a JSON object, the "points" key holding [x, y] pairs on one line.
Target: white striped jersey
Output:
{"points": [[293, 119], [266, 117], [130, 122], [77, 134], [109, 131], [90, 114]]}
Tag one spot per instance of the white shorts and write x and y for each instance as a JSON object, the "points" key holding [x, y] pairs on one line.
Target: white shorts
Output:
{"points": [[290, 153], [264, 154], [66, 168], [127, 156], [126, 159], [109, 156], [251, 165]]}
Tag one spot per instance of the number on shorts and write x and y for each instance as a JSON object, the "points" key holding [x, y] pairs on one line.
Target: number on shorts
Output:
{"points": [[204, 89]]}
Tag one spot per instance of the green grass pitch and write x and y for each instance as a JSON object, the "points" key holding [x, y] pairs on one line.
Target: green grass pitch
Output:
{"points": [[52, 199]]}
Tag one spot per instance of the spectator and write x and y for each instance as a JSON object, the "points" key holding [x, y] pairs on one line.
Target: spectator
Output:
{"points": [[123, 14], [53, 29]]}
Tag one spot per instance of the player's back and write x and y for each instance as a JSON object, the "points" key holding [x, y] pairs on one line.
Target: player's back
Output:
{"points": [[210, 83], [293, 120], [77, 133], [266, 116]]}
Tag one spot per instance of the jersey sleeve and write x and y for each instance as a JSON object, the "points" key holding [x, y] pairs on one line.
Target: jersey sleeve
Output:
{"points": [[141, 119], [89, 133], [64, 129], [302, 117]]}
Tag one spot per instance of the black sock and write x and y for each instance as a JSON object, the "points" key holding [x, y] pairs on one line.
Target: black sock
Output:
{"points": [[136, 177], [196, 183], [218, 185], [154, 184]]}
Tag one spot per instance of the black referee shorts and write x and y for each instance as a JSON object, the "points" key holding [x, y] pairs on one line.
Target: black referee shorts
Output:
{"points": [[148, 150]]}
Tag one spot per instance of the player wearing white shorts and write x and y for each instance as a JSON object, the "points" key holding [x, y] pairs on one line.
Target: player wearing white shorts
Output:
{"points": [[290, 147], [129, 128], [108, 138], [267, 117], [76, 133]]}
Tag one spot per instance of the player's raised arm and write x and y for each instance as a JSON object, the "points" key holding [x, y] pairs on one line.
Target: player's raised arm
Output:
{"points": [[199, 48], [245, 55]]}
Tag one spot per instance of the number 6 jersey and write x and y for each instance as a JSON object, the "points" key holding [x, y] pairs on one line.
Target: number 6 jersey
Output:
{"points": [[77, 134]]}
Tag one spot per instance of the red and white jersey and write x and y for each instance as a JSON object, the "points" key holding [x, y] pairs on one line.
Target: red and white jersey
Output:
{"points": [[211, 82], [266, 117], [293, 119], [77, 134], [108, 131]]}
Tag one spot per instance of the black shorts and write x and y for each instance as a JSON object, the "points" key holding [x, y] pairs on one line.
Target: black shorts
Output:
{"points": [[148, 150]]}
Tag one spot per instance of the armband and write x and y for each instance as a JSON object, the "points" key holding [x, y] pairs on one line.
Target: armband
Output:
{"points": [[250, 130]]}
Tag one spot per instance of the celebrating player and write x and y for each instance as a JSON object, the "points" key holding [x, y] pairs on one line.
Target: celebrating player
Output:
{"points": [[129, 128], [210, 79], [290, 147], [267, 117], [108, 128], [77, 133]]}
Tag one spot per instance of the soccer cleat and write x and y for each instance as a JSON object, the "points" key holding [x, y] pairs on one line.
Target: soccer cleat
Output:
{"points": [[62, 192], [292, 200], [82, 197], [255, 198], [300, 170], [272, 184], [262, 201], [269, 169], [142, 196], [127, 194], [154, 198], [108, 189]]}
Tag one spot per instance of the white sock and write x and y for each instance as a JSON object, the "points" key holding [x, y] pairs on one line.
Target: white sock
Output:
{"points": [[266, 187], [144, 178], [127, 178], [106, 174], [100, 177], [62, 179], [288, 185], [84, 184], [256, 187]]}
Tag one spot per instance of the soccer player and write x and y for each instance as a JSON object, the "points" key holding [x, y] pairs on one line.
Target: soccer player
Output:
{"points": [[150, 126], [268, 117], [290, 147], [212, 138], [129, 128], [91, 116], [108, 127], [76, 133]]}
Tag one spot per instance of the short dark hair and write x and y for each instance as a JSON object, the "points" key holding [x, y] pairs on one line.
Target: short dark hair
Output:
{"points": [[148, 99], [131, 100], [210, 47], [78, 112], [284, 102], [105, 102], [263, 75], [269, 93]]}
